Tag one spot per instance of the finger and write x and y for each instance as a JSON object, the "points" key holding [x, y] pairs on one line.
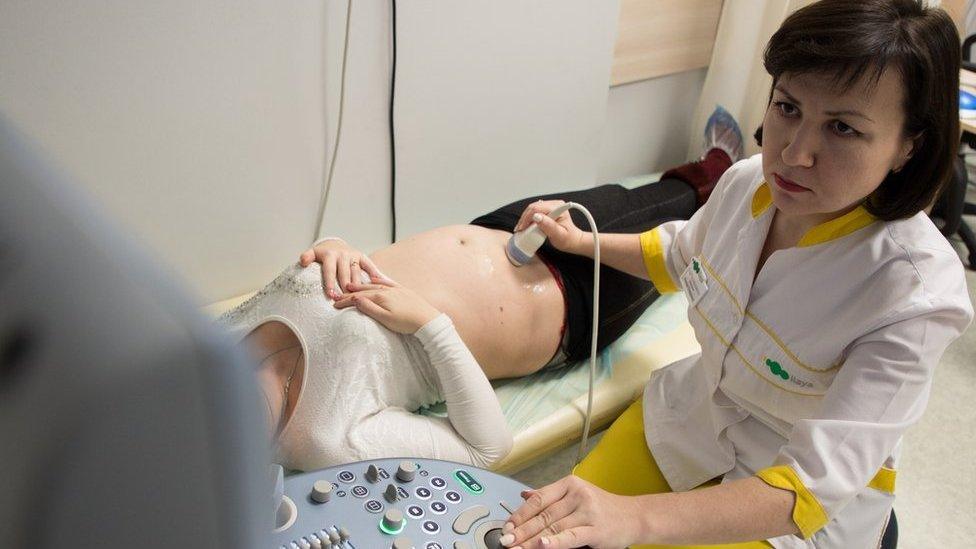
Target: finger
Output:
{"points": [[549, 226], [329, 276], [342, 270], [349, 300], [551, 520], [371, 309], [537, 500], [373, 271], [539, 206], [353, 287], [355, 273], [306, 257], [568, 538]]}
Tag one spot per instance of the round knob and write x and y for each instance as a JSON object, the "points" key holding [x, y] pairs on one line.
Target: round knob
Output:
{"points": [[492, 538], [393, 520], [321, 491], [402, 543], [406, 471]]}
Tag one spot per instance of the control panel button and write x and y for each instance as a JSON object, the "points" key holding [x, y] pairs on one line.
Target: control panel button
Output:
{"points": [[359, 491], [438, 482], [460, 544], [321, 491], [334, 536], [469, 482], [316, 542], [372, 473], [346, 476], [415, 511], [433, 545], [402, 543], [438, 507], [422, 493], [464, 521], [344, 534], [431, 527], [452, 496], [391, 494], [373, 506], [406, 471], [392, 522], [492, 537]]}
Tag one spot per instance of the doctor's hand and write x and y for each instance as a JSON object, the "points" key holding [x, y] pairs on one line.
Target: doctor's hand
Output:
{"points": [[390, 304], [563, 234], [341, 265], [573, 513]]}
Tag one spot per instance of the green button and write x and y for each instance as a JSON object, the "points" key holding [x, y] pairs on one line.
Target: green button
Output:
{"points": [[469, 482]]}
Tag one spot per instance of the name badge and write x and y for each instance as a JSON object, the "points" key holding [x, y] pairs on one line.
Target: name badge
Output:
{"points": [[694, 281]]}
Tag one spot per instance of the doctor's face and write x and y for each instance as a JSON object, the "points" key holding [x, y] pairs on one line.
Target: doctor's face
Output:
{"points": [[825, 150]]}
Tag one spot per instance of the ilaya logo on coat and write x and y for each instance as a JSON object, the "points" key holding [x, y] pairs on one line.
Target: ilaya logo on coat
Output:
{"points": [[778, 370]]}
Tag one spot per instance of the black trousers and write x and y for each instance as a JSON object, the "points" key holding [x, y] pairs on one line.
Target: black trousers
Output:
{"points": [[623, 298]]}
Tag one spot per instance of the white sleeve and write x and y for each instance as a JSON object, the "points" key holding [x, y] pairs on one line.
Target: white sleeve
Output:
{"points": [[880, 391], [472, 407], [669, 247]]}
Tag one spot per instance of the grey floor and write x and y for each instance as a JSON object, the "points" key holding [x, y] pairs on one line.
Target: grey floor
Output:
{"points": [[936, 487]]}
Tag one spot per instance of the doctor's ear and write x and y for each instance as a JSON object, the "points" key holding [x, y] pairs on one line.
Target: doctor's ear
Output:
{"points": [[910, 146]]}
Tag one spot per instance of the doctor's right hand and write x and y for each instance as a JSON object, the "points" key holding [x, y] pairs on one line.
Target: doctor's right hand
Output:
{"points": [[342, 265], [563, 234]]}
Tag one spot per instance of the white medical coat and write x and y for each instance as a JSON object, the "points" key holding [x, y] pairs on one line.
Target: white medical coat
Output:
{"points": [[809, 374]]}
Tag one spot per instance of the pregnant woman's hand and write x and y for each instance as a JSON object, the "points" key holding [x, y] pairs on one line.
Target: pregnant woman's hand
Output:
{"points": [[390, 304], [342, 265], [563, 234]]}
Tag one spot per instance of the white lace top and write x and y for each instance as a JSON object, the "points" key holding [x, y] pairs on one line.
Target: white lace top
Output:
{"points": [[363, 381]]}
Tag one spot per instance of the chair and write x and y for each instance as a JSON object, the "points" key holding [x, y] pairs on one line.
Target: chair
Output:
{"points": [[890, 538], [952, 205]]}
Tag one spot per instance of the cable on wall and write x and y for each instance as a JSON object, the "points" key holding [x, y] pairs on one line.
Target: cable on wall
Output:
{"points": [[393, 212], [335, 145]]}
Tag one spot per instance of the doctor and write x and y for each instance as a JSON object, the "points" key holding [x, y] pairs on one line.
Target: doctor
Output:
{"points": [[822, 297]]}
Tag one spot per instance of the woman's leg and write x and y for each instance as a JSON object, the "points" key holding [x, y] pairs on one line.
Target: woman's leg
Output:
{"points": [[621, 463]]}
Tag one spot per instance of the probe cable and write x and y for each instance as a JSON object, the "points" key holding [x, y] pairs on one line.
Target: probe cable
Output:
{"points": [[596, 322]]}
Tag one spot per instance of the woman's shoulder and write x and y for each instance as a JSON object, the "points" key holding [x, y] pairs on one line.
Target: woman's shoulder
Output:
{"points": [[918, 265]]}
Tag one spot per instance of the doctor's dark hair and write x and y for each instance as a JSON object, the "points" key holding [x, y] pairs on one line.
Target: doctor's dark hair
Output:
{"points": [[848, 39]]}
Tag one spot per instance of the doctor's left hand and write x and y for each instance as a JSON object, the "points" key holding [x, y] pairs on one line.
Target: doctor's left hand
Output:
{"points": [[573, 513], [390, 304]]}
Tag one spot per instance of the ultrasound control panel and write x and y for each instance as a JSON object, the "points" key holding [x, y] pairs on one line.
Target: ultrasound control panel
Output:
{"points": [[395, 504]]}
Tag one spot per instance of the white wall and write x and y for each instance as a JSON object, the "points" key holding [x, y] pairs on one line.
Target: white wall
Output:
{"points": [[205, 125], [648, 125], [197, 123]]}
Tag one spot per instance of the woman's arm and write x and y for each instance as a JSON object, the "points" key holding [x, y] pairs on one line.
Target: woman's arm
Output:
{"points": [[473, 409], [573, 512]]}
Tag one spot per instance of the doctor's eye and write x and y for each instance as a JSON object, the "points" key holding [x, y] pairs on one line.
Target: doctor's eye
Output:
{"points": [[843, 129], [786, 109]]}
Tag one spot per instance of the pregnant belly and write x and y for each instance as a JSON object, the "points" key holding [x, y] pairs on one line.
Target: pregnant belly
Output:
{"points": [[510, 317]]}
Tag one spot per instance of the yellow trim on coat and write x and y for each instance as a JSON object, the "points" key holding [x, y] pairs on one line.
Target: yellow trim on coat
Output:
{"points": [[748, 314], [745, 361], [761, 200], [856, 219], [852, 221], [808, 515], [884, 480], [653, 254]]}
